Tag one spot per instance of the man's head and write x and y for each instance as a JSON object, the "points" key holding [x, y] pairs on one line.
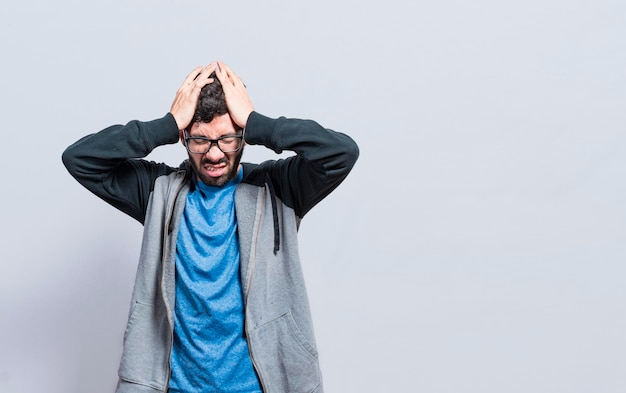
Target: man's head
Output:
{"points": [[220, 163], [211, 102]]}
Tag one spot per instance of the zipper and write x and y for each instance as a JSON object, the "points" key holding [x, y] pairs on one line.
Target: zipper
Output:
{"points": [[252, 266], [254, 365], [168, 231]]}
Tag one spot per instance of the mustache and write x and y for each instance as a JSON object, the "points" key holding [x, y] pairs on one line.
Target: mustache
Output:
{"points": [[222, 160]]}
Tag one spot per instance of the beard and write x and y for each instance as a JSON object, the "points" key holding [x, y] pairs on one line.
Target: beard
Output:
{"points": [[232, 167]]}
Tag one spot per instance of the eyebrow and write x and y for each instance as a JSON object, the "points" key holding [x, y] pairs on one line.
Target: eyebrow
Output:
{"points": [[238, 133]]}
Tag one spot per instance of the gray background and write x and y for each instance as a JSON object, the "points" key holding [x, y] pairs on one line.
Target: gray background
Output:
{"points": [[478, 245]]}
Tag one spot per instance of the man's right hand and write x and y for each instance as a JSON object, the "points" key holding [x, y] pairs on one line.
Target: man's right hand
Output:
{"points": [[186, 100]]}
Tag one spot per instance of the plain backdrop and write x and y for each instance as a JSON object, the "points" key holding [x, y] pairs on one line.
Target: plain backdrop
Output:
{"points": [[479, 245]]}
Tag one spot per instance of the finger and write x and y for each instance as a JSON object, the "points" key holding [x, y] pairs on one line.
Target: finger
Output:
{"points": [[203, 77], [226, 68], [234, 78], [206, 71], [212, 66], [220, 72], [229, 74], [192, 75]]}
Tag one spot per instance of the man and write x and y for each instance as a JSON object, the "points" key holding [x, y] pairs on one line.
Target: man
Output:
{"points": [[219, 303]]}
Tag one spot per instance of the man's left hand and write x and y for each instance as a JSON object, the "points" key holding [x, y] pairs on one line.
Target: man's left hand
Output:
{"points": [[237, 99]]}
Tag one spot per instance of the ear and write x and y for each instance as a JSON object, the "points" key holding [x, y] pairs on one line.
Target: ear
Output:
{"points": [[181, 135]]}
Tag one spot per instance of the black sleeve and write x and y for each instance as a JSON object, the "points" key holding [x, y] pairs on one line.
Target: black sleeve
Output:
{"points": [[323, 158], [108, 163]]}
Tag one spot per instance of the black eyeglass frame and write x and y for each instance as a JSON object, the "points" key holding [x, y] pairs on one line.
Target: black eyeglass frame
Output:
{"points": [[213, 142]]}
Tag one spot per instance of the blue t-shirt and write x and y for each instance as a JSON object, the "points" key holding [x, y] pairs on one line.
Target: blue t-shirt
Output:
{"points": [[210, 352]]}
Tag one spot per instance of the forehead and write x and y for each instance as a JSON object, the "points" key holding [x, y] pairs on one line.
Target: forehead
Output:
{"points": [[219, 126]]}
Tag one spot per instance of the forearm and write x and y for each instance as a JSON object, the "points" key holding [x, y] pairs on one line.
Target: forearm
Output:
{"points": [[332, 150], [323, 157], [105, 162]]}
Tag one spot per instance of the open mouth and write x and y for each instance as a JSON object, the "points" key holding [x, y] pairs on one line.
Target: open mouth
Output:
{"points": [[215, 170]]}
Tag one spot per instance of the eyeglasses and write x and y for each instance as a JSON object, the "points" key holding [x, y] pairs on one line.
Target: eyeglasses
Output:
{"points": [[202, 145]]}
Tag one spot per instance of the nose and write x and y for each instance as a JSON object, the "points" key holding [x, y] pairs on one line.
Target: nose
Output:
{"points": [[214, 154]]}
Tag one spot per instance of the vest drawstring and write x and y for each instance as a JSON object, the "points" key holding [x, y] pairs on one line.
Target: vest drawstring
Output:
{"points": [[274, 214]]}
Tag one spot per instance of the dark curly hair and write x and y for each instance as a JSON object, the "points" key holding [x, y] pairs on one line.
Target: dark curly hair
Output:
{"points": [[211, 102]]}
